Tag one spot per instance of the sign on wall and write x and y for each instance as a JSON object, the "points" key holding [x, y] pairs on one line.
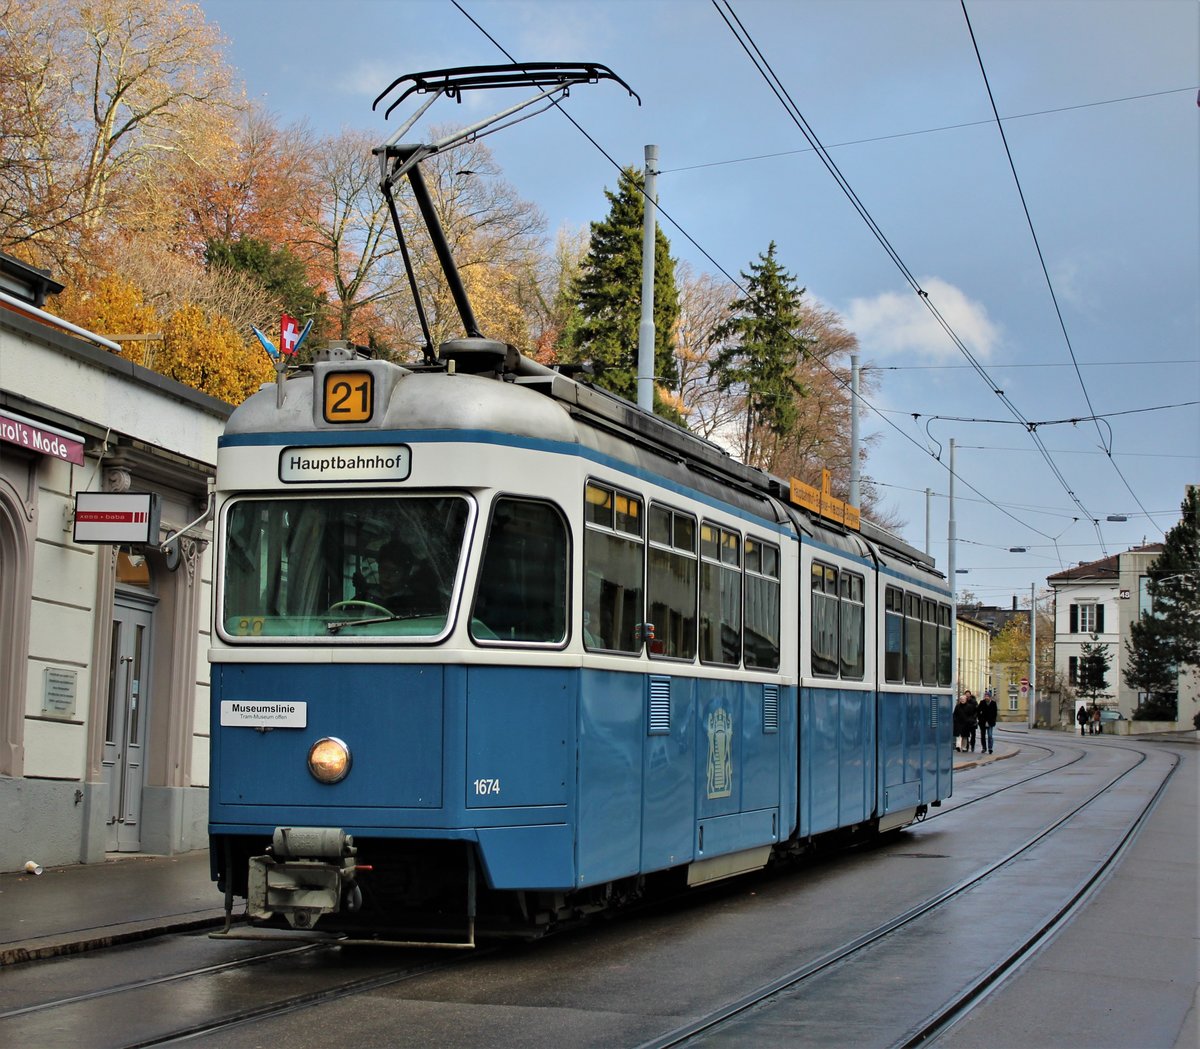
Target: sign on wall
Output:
{"points": [[41, 437], [110, 517]]}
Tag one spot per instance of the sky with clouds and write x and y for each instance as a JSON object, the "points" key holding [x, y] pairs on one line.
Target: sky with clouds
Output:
{"points": [[1098, 104]]}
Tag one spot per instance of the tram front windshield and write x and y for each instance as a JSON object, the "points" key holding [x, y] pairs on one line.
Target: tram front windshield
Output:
{"points": [[341, 568]]}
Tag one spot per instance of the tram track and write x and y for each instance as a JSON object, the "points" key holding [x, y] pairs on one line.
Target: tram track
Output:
{"points": [[720, 1026], [298, 981], [25, 1024]]}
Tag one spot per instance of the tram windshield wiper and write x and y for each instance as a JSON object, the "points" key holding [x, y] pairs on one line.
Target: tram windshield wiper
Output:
{"points": [[336, 625]]}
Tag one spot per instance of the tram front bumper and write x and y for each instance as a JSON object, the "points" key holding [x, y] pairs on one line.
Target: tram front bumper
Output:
{"points": [[307, 872]]}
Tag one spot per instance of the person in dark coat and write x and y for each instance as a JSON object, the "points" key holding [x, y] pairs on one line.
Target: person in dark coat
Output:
{"points": [[1084, 719], [971, 718], [987, 722], [960, 723]]}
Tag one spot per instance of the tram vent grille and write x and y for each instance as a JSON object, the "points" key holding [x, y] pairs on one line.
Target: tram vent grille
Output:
{"points": [[933, 712], [770, 708], [660, 706]]}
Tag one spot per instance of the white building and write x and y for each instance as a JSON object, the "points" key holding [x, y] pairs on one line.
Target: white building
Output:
{"points": [[103, 648], [1098, 603]]}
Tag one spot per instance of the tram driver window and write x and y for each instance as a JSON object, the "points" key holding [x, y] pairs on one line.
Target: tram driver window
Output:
{"points": [[522, 594], [612, 569]]}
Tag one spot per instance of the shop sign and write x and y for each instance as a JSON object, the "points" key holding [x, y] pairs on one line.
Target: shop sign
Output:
{"points": [[108, 517], [38, 437]]}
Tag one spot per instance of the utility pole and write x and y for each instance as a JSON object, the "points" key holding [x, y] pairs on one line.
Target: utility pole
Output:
{"points": [[645, 368], [928, 504], [1032, 654], [951, 532], [855, 492]]}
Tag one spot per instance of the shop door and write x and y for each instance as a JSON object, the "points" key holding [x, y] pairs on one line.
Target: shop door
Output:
{"points": [[125, 724]]}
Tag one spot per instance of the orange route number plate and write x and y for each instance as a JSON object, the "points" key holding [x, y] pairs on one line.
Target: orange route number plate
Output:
{"points": [[349, 397]]}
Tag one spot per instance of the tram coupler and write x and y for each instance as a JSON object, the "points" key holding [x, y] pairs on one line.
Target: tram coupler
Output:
{"points": [[307, 872]]}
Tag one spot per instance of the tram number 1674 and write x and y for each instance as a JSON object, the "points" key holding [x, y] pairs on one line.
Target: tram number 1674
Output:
{"points": [[484, 787]]}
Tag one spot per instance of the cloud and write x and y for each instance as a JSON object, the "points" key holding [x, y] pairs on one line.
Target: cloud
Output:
{"points": [[367, 78], [892, 323]]}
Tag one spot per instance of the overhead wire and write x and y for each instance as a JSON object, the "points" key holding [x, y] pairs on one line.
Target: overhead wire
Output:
{"points": [[1106, 445], [775, 84], [899, 262], [924, 131]]}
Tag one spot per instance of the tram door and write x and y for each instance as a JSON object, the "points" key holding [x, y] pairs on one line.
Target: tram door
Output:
{"points": [[125, 724]]}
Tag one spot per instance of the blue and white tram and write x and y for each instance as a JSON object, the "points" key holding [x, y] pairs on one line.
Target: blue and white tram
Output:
{"points": [[493, 649]]}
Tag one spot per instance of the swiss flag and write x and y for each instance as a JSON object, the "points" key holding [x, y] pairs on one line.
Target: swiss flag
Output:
{"points": [[289, 332]]}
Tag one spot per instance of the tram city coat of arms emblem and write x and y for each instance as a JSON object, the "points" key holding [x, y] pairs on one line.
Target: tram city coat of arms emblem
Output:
{"points": [[720, 753]]}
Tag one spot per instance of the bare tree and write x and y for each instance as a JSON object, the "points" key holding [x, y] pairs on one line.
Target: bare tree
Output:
{"points": [[350, 236], [703, 306], [105, 92], [495, 239]]}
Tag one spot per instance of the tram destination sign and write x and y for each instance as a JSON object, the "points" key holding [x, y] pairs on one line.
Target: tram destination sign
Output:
{"points": [[345, 464]]}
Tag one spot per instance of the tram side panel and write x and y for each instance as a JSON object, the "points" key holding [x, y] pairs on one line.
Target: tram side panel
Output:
{"points": [[915, 758], [520, 745], [669, 797]]}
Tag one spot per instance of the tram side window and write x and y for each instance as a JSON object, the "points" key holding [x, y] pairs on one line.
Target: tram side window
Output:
{"points": [[671, 576], [912, 639], [853, 626], [522, 594], [613, 569], [944, 641], [720, 595], [929, 650], [824, 620], [893, 635], [762, 605]]}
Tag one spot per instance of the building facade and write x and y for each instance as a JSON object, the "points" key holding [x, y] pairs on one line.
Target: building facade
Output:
{"points": [[103, 647], [972, 655], [1098, 603]]}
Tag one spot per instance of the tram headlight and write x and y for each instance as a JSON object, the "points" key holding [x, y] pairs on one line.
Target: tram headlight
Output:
{"points": [[329, 760]]}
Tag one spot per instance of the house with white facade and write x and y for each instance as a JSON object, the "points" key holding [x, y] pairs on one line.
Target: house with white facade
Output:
{"points": [[103, 645], [1098, 603]]}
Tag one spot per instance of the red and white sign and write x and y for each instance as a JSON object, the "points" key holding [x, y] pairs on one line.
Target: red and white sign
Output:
{"points": [[38, 437], [289, 335], [108, 517]]}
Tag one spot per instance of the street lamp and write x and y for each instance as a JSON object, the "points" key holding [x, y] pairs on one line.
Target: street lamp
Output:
{"points": [[1116, 517], [1017, 550]]}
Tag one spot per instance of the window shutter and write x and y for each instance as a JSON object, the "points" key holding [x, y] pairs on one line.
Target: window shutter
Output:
{"points": [[1074, 619], [1073, 670], [1099, 619]]}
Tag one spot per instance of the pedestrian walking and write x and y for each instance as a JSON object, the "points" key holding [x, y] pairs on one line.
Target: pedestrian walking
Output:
{"points": [[971, 717], [1097, 727], [987, 722], [960, 723], [1084, 719]]}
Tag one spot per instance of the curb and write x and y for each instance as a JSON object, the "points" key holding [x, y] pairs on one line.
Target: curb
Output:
{"points": [[108, 936], [975, 763]]}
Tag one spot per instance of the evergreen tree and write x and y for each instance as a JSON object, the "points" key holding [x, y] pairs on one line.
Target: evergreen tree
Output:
{"points": [[1175, 583], [760, 349], [1150, 667], [1094, 662], [279, 271], [608, 294]]}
